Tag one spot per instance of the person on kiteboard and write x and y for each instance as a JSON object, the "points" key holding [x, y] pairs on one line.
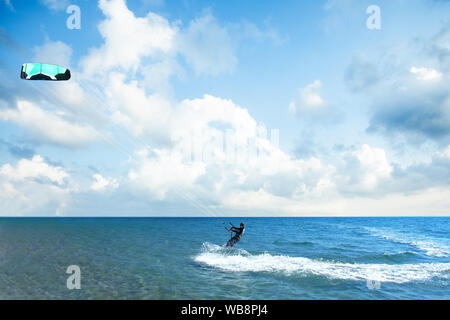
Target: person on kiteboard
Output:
{"points": [[237, 234]]}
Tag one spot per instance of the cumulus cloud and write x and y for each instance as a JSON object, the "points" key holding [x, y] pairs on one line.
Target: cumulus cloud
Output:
{"points": [[374, 165], [125, 47], [35, 168], [49, 126], [309, 100], [219, 150], [135, 109], [193, 131], [365, 183], [101, 183], [33, 185], [364, 170], [161, 172]]}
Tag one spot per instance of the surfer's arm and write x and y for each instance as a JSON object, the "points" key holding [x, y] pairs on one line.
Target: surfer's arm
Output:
{"points": [[236, 230]]}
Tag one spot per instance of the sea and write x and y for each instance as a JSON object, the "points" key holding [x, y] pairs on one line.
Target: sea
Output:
{"points": [[186, 258]]}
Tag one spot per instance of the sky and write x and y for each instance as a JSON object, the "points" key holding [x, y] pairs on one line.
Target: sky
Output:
{"points": [[226, 108]]}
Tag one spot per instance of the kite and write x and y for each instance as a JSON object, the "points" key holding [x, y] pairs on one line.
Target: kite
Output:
{"points": [[43, 71]]}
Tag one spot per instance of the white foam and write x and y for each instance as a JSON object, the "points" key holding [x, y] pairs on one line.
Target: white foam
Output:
{"points": [[210, 247], [432, 247], [398, 273]]}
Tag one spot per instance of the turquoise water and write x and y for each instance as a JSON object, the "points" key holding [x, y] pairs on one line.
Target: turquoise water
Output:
{"points": [[184, 258]]}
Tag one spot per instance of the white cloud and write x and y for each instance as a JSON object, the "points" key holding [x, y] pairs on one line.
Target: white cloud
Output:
{"points": [[221, 140], [161, 172], [124, 47], [200, 113], [35, 168], [364, 170], [309, 100], [34, 185], [101, 184], [135, 109], [426, 74], [290, 186], [374, 166], [49, 126]]}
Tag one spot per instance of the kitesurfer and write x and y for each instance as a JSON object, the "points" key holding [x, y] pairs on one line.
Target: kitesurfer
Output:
{"points": [[237, 234]]}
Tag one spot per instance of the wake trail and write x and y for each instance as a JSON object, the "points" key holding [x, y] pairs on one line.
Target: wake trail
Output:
{"points": [[238, 260]]}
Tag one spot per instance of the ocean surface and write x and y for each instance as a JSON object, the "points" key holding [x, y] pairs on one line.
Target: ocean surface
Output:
{"points": [[185, 258]]}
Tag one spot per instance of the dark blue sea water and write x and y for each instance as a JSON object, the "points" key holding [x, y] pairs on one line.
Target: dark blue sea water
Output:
{"points": [[184, 258]]}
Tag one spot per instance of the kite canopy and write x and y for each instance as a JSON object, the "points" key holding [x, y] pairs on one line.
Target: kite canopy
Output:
{"points": [[43, 71]]}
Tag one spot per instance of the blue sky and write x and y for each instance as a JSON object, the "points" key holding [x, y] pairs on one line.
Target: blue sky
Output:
{"points": [[169, 100]]}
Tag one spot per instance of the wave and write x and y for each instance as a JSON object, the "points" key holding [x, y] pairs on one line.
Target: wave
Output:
{"points": [[242, 261], [432, 247], [400, 254], [292, 243], [390, 257]]}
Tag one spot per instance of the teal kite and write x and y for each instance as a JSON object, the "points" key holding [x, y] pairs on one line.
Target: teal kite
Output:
{"points": [[43, 71]]}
